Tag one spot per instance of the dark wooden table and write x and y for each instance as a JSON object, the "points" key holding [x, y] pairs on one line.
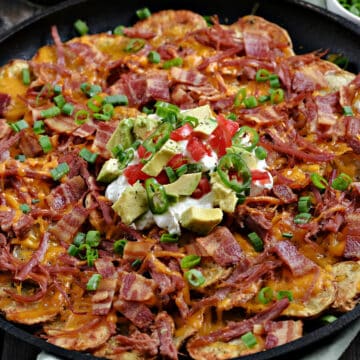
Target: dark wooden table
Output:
{"points": [[11, 13]]}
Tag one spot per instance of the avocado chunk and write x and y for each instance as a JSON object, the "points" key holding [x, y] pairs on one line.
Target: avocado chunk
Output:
{"points": [[109, 171], [224, 197], [132, 203], [185, 185], [154, 166], [143, 126], [201, 220], [206, 124], [122, 135]]}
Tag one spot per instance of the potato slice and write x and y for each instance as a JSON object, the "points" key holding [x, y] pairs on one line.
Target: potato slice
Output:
{"points": [[213, 273], [347, 280]]}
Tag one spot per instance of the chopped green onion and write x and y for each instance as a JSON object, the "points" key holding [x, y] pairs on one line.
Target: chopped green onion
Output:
{"points": [[231, 116], [240, 96], [35, 201], [45, 143], [164, 109], [93, 238], [91, 255], [119, 30], [90, 90], [263, 98], [170, 174], [181, 170], [190, 261], [143, 13], [81, 117], [194, 277], [347, 110], [285, 294], [194, 168], [249, 339], [50, 112], [136, 263], [260, 153], [274, 81], [134, 45], [154, 57], [95, 103], [208, 20], [328, 319], [81, 27], [88, 156], [61, 170], [25, 208], [39, 127], [341, 182], [20, 157], [319, 181], [116, 100], [287, 235], [79, 238], [339, 60], [262, 75], [172, 62], [169, 238], [250, 102], [26, 76], [57, 89], [119, 246], [147, 111], [304, 204], [73, 250], [93, 282], [277, 96], [265, 295], [60, 101], [256, 242], [19, 125], [158, 137], [302, 218], [68, 109]]}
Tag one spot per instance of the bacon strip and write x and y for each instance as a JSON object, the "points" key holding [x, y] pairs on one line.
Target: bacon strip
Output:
{"points": [[135, 287], [103, 298], [103, 134], [165, 327], [282, 332], [4, 102], [190, 77], [23, 225]]}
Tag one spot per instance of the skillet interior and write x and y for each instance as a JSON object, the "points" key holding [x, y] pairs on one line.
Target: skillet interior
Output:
{"points": [[310, 28]]}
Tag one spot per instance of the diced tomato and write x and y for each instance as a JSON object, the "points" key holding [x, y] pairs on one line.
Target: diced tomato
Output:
{"points": [[231, 126], [134, 173], [142, 152], [196, 148], [261, 176], [176, 161], [182, 133], [219, 140], [203, 188], [162, 178]]}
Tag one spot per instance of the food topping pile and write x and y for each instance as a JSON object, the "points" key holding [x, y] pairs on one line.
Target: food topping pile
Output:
{"points": [[179, 186]]}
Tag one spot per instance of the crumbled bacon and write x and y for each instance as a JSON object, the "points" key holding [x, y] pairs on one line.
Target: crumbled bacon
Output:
{"points": [[282, 332], [4, 103], [135, 287], [165, 327]]}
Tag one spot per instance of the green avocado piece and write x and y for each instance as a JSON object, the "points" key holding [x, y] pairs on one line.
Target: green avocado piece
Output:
{"points": [[132, 203], [201, 220], [122, 135], [109, 171], [185, 185], [204, 114], [154, 166], [224, 197], [144, 125]]}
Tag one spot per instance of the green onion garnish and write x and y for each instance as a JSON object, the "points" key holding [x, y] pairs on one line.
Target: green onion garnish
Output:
{"points": [[250, 102], [277, 96], [231, 116], [93, 282], [60, 101], [50, 112], [338, 59], [256, 242], [319, 181], [181, 170], [119, 30], [147, 111], [35, 201], [171, 174], [81, 117], [90, 90], [249, 339], [73, 250], [287, 235], [20, 157], [57, 89], [79, 238], [91, 255], [274, 81], [61, 170], [190, 261], [154, 57], [93, 238], [45, 143], [81, 27], [116, 100], [143, 13], [119, 246], [39, 127], [262, 75], [25, 208], [88, 156], [260, 153], [328, 319], [265, 295], [136, 263], [302, 218], [194, 277], [347, 111], [304, 204], [68, 109], [19, 125], [95, 103], [239, 97], [134, 45], [169, 238], [285, 294], [26, 76], [173, 62], [341, 182], [263, 98]]}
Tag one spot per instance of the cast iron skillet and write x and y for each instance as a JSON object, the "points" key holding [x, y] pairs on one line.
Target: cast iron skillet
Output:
{"points": [[310, 28]]}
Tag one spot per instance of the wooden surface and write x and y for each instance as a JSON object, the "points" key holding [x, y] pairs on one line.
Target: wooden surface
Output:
{"points": [[11, 13]]}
